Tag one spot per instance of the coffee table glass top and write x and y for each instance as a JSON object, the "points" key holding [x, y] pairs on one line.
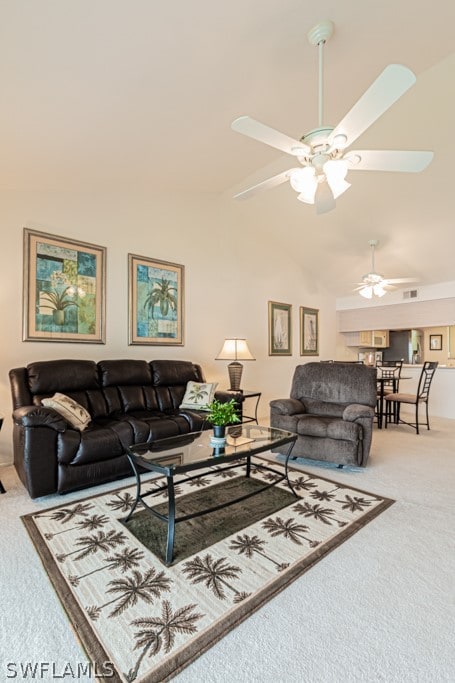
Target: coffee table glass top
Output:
{"points": [[198, 447]]}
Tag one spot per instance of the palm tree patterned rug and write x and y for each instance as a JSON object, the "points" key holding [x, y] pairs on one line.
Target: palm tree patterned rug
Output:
{"points": [[148, 621]]}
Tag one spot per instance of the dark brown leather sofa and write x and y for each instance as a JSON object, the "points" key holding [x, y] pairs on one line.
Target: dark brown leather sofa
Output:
{"points": [[130, 401]]}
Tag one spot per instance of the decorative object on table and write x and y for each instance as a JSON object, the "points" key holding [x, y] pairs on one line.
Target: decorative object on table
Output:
{"points": [[309, 331], [323, 152], [435, 342], [156, 301], [133, 612], [220, 415], [64, 289], [374, 284], [280, 329], [235, 349]]}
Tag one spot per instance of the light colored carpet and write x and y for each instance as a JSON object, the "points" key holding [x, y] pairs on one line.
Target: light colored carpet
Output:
{"points": [[379, 608]]}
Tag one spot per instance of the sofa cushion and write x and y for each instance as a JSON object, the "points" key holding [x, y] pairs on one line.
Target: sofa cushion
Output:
{"points": [[93, 445], [198, 395], [47, 377], [326, 426], [171, 372], [72, 411], [335, 383], [316, 407], [124, 373]]}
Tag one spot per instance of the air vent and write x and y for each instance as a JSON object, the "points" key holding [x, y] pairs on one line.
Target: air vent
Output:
{"points": [[410, 294]]}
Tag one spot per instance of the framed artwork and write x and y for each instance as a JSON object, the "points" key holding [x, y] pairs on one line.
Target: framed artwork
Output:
{"points": [[435, 342], [309, 331], [156, 301], [280, 329], [64, 289]]}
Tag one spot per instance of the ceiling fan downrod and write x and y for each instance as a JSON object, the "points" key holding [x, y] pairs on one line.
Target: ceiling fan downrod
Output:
{"points": [[373, 244], [319, 35]]}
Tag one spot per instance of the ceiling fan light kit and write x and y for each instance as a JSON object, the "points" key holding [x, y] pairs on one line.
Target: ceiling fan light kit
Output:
{"points": [[322, 151]]}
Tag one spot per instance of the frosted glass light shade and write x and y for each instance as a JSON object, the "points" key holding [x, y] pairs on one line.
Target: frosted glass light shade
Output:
{"points": [[366, 292], [304, 181], [335, 171]]}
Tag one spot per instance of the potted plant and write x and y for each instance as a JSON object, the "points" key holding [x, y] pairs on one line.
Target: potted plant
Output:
{"points": [[60, 296], [222, 414]]}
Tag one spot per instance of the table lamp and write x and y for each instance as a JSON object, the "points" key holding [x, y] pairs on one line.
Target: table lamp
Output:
{"points": [[235, 350]]}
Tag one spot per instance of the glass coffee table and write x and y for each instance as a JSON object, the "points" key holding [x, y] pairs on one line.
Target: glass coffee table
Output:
{"points": [[195, 451]]}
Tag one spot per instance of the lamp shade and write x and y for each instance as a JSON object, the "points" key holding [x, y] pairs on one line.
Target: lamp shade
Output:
{"points": [[235, 349]]}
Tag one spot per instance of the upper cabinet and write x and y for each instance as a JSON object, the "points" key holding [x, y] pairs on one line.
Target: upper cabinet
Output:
{"points": [[376, 339], [370, 339]]}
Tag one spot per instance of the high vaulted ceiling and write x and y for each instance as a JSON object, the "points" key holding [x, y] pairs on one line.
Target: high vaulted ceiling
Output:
{"points": [[140, 94]]}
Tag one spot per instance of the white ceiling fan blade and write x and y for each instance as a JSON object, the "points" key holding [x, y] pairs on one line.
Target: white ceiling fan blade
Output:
{"points": [[388, 160], [400, 280], [390, 85], [264, 185], [258, 131]]}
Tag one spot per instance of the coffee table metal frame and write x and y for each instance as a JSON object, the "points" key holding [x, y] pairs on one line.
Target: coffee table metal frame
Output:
{"points": [[234, 459]]}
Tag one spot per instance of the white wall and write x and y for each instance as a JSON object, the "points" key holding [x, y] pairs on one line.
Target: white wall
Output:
{"points": [[236, 259]]}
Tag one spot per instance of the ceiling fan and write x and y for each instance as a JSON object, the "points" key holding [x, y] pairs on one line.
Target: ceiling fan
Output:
{"points": [[322, 153], [374, 284]]}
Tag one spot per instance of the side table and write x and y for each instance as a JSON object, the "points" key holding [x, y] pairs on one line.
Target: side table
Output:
{"points": [[241, 395]]}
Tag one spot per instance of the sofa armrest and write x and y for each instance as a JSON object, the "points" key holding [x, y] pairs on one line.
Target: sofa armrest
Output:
{"points": [[39, 416], [287, 406], [355, 411]]}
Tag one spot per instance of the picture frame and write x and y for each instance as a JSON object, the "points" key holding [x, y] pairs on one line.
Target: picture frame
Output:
{"points": [[435, 342], [309, 331], [280, 329], [156, 301], [64, 284]]}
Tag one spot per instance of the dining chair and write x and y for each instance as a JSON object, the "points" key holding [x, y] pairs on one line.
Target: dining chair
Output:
{"points": [[389, 373], [395, 399]]}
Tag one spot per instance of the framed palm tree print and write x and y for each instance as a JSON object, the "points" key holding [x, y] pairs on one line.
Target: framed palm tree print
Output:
{"points": [[64, 289], [156, 301], [309, 331]]}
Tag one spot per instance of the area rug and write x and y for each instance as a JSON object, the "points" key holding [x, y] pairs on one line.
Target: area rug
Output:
{"points": [[141, 621]]}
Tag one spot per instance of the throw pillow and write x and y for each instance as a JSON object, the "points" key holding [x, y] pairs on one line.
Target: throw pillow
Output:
{"points": [[198, 395], [72, 411]]}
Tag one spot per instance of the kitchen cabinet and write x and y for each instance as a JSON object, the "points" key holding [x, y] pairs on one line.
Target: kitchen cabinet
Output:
{"points": [[369, 339], [374, 339]]}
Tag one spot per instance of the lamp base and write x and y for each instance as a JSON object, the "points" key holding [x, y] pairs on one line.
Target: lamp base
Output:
{"points": [[235, 370]]}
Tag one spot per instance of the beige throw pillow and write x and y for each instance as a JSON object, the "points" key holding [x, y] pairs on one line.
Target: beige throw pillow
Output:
{"points": [[72, 411], [198, 395]]}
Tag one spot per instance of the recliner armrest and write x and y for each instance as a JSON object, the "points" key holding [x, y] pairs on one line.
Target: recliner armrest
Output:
{"points": [[39, 416], [354, 411], [287, 406]]}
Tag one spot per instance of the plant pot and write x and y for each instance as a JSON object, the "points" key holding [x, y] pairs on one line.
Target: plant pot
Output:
{"points": [[219, 431], [59, 317]]}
